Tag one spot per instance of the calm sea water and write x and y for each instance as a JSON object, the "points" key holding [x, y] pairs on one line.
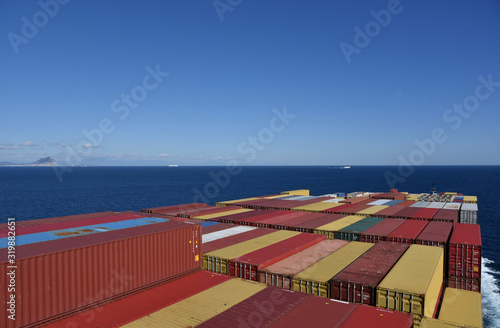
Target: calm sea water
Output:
{"points": [[35, 192]]}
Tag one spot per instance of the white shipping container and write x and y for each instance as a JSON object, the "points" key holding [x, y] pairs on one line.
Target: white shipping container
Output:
{"points": [[452, 206], [469, 214], [380, 202], [420, 204], [438, 205], [225, 233]]}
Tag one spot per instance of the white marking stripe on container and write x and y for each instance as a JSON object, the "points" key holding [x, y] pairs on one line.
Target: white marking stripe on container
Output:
{"points": [[225, 233]]}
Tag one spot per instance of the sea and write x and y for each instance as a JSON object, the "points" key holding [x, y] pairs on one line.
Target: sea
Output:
{"points": [[28, 193]]}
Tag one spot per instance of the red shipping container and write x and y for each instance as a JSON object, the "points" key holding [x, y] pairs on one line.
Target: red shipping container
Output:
{"points": [[309, 226], [261, 309], [247, 266], [446, 215], [235, 218], [353, 209], [435, 234], [289, 224], [465, 251], [253, 220], [338, 209], [406, 213], [407, 203], [425, 214], [173, 207], [317, 312], [369, 316], [61, 276], [126, 310], [181, 210], [388, 212], [380, 231], [473, 285], [29, 223], [216, 227], [271, 222], [407, 232], [204, 211], [357, 283], [235, 239]]}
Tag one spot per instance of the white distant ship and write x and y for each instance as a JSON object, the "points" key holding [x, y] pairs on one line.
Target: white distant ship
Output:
{"points": [[347, 167], [173, 165]]}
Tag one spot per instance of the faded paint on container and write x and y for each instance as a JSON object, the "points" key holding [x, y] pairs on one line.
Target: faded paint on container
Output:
{"points": [[218, 261], [414, 284], [435, 234], [225, 233], [465, 251], [462, 307], [315, 279], [380, 231], [280, 274], [128, 309], [473, 285], [358, 281], [369, 316], [331, 228], [452, 206], [202, 306], [248, 265], [75, 273], [261, 309], [407, 232]]}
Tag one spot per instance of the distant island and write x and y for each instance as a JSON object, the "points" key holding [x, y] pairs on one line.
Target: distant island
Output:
{"points": [[46, 161]]}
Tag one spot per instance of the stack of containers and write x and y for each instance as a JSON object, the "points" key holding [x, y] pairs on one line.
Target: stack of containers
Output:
{"points": [[387, 213], [353, 232], [465, 254], [380, 231], [468, 213], [446, 215], [310, 226], [331, 229], [415, 283], [280, 274], [462, 308], [61, 276], [435, 234], [407, 232], [291, 223], [357, 282]]}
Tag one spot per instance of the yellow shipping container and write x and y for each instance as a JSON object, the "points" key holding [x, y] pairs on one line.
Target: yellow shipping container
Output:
{"points": [[298, 192], [372, 210], [414, 283], [201, 307], [272, 197], [314, 279], [315, 207], [227, 202], [412, 197], [218, 261], [436, 323], [462, 307], [450, 193], [221, 214], [470, 200], [329, 229]]}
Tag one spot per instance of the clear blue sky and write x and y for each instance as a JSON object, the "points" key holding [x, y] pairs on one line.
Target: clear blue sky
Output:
{"points": [[225, 77]]}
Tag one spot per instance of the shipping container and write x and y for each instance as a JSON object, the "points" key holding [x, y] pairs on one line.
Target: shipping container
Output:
{"points": [[380, 231], [473, 285], [338, 209], [421, 204], [219, 216], [218, 261], [380, 202], [65, 275], [201, 307], [438, 205], [276, 220], [369, 316], [252, 220], [353, 232], [235, 239], [171, 213], [415, 283], [216, 235], [315, 207], [394, 202], [330, 229], [436, 323], [468, 214], [300, 192], [289, 224], [229, 202], [371, 210], [425, 214], [128, 309], [214, 228], [388, 212], [315, 279], [213, 211], [407, 232], [470, 200], [354, 209], [435, 234], [316, 312], [174, 208], [465, 251], [247, 266], [446, 215], [234, 218], [452, 206], [83, 230], [309, 226], [462, 307], [406, 213], [280, 274], [407, 203], [358, 281]]}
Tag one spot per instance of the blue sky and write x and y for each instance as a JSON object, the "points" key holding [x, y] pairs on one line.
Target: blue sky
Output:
{"points": [[354, 82]]}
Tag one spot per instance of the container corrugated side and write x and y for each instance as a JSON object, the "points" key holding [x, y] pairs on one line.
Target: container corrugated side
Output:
{"points": [[407, 232], [316, 312], [473, 285], [225, 233], [469, 214], [280, 274], [414, 284], [465, 251], [261, 309], [331, 228], [337, 209], [218, 261], [446, 215], [235, 239], [353, 232], [462, 307], [315, 279], [247, 266], [380, 231], [227, 202], [369, 316], [358, 281], [202, 306], [253, 220], [435, 234], [128, 309], [470, 199], [71, 274]]}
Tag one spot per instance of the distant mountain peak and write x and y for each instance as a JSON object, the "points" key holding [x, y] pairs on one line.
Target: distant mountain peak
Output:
{"points": [[46, 161]]}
